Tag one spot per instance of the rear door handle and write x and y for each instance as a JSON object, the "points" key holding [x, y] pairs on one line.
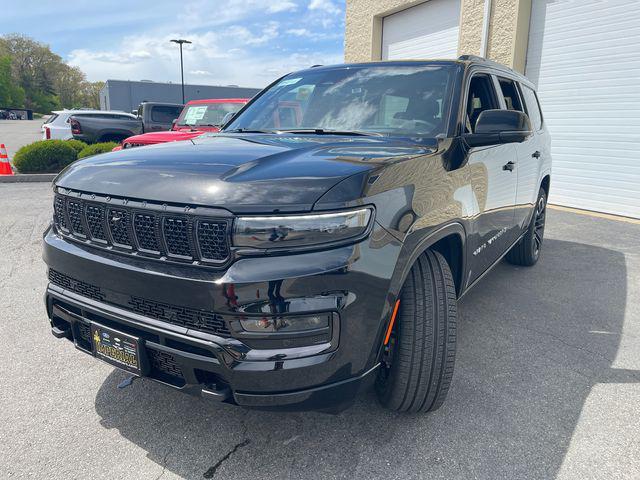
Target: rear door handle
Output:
{"points": [[509, 166], [536, 154]]}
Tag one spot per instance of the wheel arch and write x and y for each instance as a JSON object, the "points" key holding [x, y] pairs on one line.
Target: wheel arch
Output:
{"points": [[450, 241]]}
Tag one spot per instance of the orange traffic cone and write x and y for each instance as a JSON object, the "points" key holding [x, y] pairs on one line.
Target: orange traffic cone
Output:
{"points": [[5, 166]]}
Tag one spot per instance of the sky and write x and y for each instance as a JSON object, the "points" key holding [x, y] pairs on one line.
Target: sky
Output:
{"points": [[235, 42]]}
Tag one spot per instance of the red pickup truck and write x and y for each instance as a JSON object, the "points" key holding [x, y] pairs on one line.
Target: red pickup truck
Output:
{"points": [[197, 117]]}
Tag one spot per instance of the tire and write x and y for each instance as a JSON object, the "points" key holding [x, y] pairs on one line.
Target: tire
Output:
{"points": [[417, 365], [527, 251]]}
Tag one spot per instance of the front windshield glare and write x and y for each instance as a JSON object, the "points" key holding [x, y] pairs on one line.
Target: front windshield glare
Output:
{"points": [[389, 100]]}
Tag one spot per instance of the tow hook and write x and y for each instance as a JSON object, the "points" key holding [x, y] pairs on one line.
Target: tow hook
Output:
{"points": [[126, 382]]}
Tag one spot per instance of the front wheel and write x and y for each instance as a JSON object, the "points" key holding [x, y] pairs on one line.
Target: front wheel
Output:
{"points": [[418, 360], [527, 251]]}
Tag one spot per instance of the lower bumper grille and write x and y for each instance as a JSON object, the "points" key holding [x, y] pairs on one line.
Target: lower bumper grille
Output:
{"points": [[192, 318], [164, 362]]}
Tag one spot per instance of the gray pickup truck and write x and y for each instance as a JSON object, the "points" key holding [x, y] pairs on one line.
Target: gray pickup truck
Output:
{"points": [[116, 126]]}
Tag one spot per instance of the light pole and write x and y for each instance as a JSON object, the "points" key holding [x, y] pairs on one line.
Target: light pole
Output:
{"points": [[180, 41]]}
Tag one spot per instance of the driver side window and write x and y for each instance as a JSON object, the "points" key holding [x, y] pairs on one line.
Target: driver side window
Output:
{"points": [[481, 97]]}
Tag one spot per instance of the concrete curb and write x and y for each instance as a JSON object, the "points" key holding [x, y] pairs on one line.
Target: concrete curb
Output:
{"points": [[28, 177]]}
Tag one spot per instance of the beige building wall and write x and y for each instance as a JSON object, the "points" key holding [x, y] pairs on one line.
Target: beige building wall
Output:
{"points": [[508, 29]]}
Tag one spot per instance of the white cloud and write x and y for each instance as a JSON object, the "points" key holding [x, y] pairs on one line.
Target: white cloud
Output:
{"points": [[299, 32], [281, 6], [246, 37], [207, 60], [243, 42], [325, 6]]}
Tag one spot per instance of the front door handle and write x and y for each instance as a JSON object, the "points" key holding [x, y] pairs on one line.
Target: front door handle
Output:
{"points": [[509, 166], [536, 154]]}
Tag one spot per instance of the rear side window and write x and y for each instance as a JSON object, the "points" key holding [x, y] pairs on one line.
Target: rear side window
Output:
{"points": [[510, 94], [481, 97], [51, 119], [533, 107], [165, 114]]}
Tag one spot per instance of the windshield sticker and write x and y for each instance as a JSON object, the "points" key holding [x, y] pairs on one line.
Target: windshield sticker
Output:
{"points": [[289, 81], [194, 114]]}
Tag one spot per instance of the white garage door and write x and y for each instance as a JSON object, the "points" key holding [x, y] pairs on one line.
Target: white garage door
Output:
{"points": [[584, 57], [428, 30]]}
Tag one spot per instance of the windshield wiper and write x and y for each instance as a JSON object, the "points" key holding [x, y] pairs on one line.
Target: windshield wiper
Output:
{"points": [[247, 130], [325, 131]]}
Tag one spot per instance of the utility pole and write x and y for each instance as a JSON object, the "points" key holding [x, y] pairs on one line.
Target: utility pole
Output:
{"points": [[180, 41]]}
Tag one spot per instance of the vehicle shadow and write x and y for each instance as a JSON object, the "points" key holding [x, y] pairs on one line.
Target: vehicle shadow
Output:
{"points": [[532, 344]]}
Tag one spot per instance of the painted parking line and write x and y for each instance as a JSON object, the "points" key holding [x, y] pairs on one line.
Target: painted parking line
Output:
{"points": [[590, 213]]}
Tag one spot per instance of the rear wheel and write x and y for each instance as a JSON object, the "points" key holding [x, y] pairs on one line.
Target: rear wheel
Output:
{"points": [[418, 361], [527, 251]]}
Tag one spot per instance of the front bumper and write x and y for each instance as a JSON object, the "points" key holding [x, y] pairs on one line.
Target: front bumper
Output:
{"points": [[350, 283]]}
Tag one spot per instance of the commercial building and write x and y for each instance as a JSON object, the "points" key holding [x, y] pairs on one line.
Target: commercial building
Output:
{"points": [[126, 95], [582, 55]]}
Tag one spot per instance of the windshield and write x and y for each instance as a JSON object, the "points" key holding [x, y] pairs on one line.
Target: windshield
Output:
{"points": [[208, 114], [410, 100]]}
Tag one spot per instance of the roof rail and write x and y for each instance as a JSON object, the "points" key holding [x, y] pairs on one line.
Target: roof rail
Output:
{"points": [[477, 58], [315, 66]]}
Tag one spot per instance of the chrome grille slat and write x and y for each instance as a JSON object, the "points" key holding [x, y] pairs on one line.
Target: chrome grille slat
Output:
{"points": [[150, 230]]}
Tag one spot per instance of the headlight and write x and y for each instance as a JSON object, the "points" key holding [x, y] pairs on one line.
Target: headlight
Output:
{"points": [[289, 231]]}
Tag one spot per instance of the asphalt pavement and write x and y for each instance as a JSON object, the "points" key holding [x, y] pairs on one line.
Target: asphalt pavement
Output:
{"points": [[547, 383], [17, 133]]}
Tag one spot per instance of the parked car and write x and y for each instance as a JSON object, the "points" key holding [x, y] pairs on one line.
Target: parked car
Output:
{"points": [[58, 127], [283, 266], [157, 116], [197, 117], [8, 115], [112, 127], [116, 126]]}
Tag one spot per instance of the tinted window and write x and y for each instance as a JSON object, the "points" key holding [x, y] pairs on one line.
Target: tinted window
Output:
{"points": [[51, 118], [390, 100], [510, 94], [533, 107], [481, 97], [164, 114]]}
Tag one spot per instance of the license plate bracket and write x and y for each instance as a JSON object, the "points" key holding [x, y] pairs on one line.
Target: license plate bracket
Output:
{"points": [[117, 348]]}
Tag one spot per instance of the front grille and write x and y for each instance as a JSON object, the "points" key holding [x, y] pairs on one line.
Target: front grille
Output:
{"points": [[176, 233], [211, 237], [119, 224], [95, 222], [59, 214], [74, 210], [146, 232], [78, 286], [192, 318]]}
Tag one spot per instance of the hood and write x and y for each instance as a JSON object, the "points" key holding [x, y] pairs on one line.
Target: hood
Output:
{"points": [[152, 138], [243, 172]]}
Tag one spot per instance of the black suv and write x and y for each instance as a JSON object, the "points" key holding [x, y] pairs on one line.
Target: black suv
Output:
{"points": [[321, 239]]}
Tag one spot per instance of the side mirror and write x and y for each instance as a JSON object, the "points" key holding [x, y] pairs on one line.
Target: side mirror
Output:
{"points": [[174, 123], [495, 127]]}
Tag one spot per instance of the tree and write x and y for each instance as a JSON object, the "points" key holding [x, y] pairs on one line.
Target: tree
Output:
{"points": [[11, 95], [36, 78]]}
